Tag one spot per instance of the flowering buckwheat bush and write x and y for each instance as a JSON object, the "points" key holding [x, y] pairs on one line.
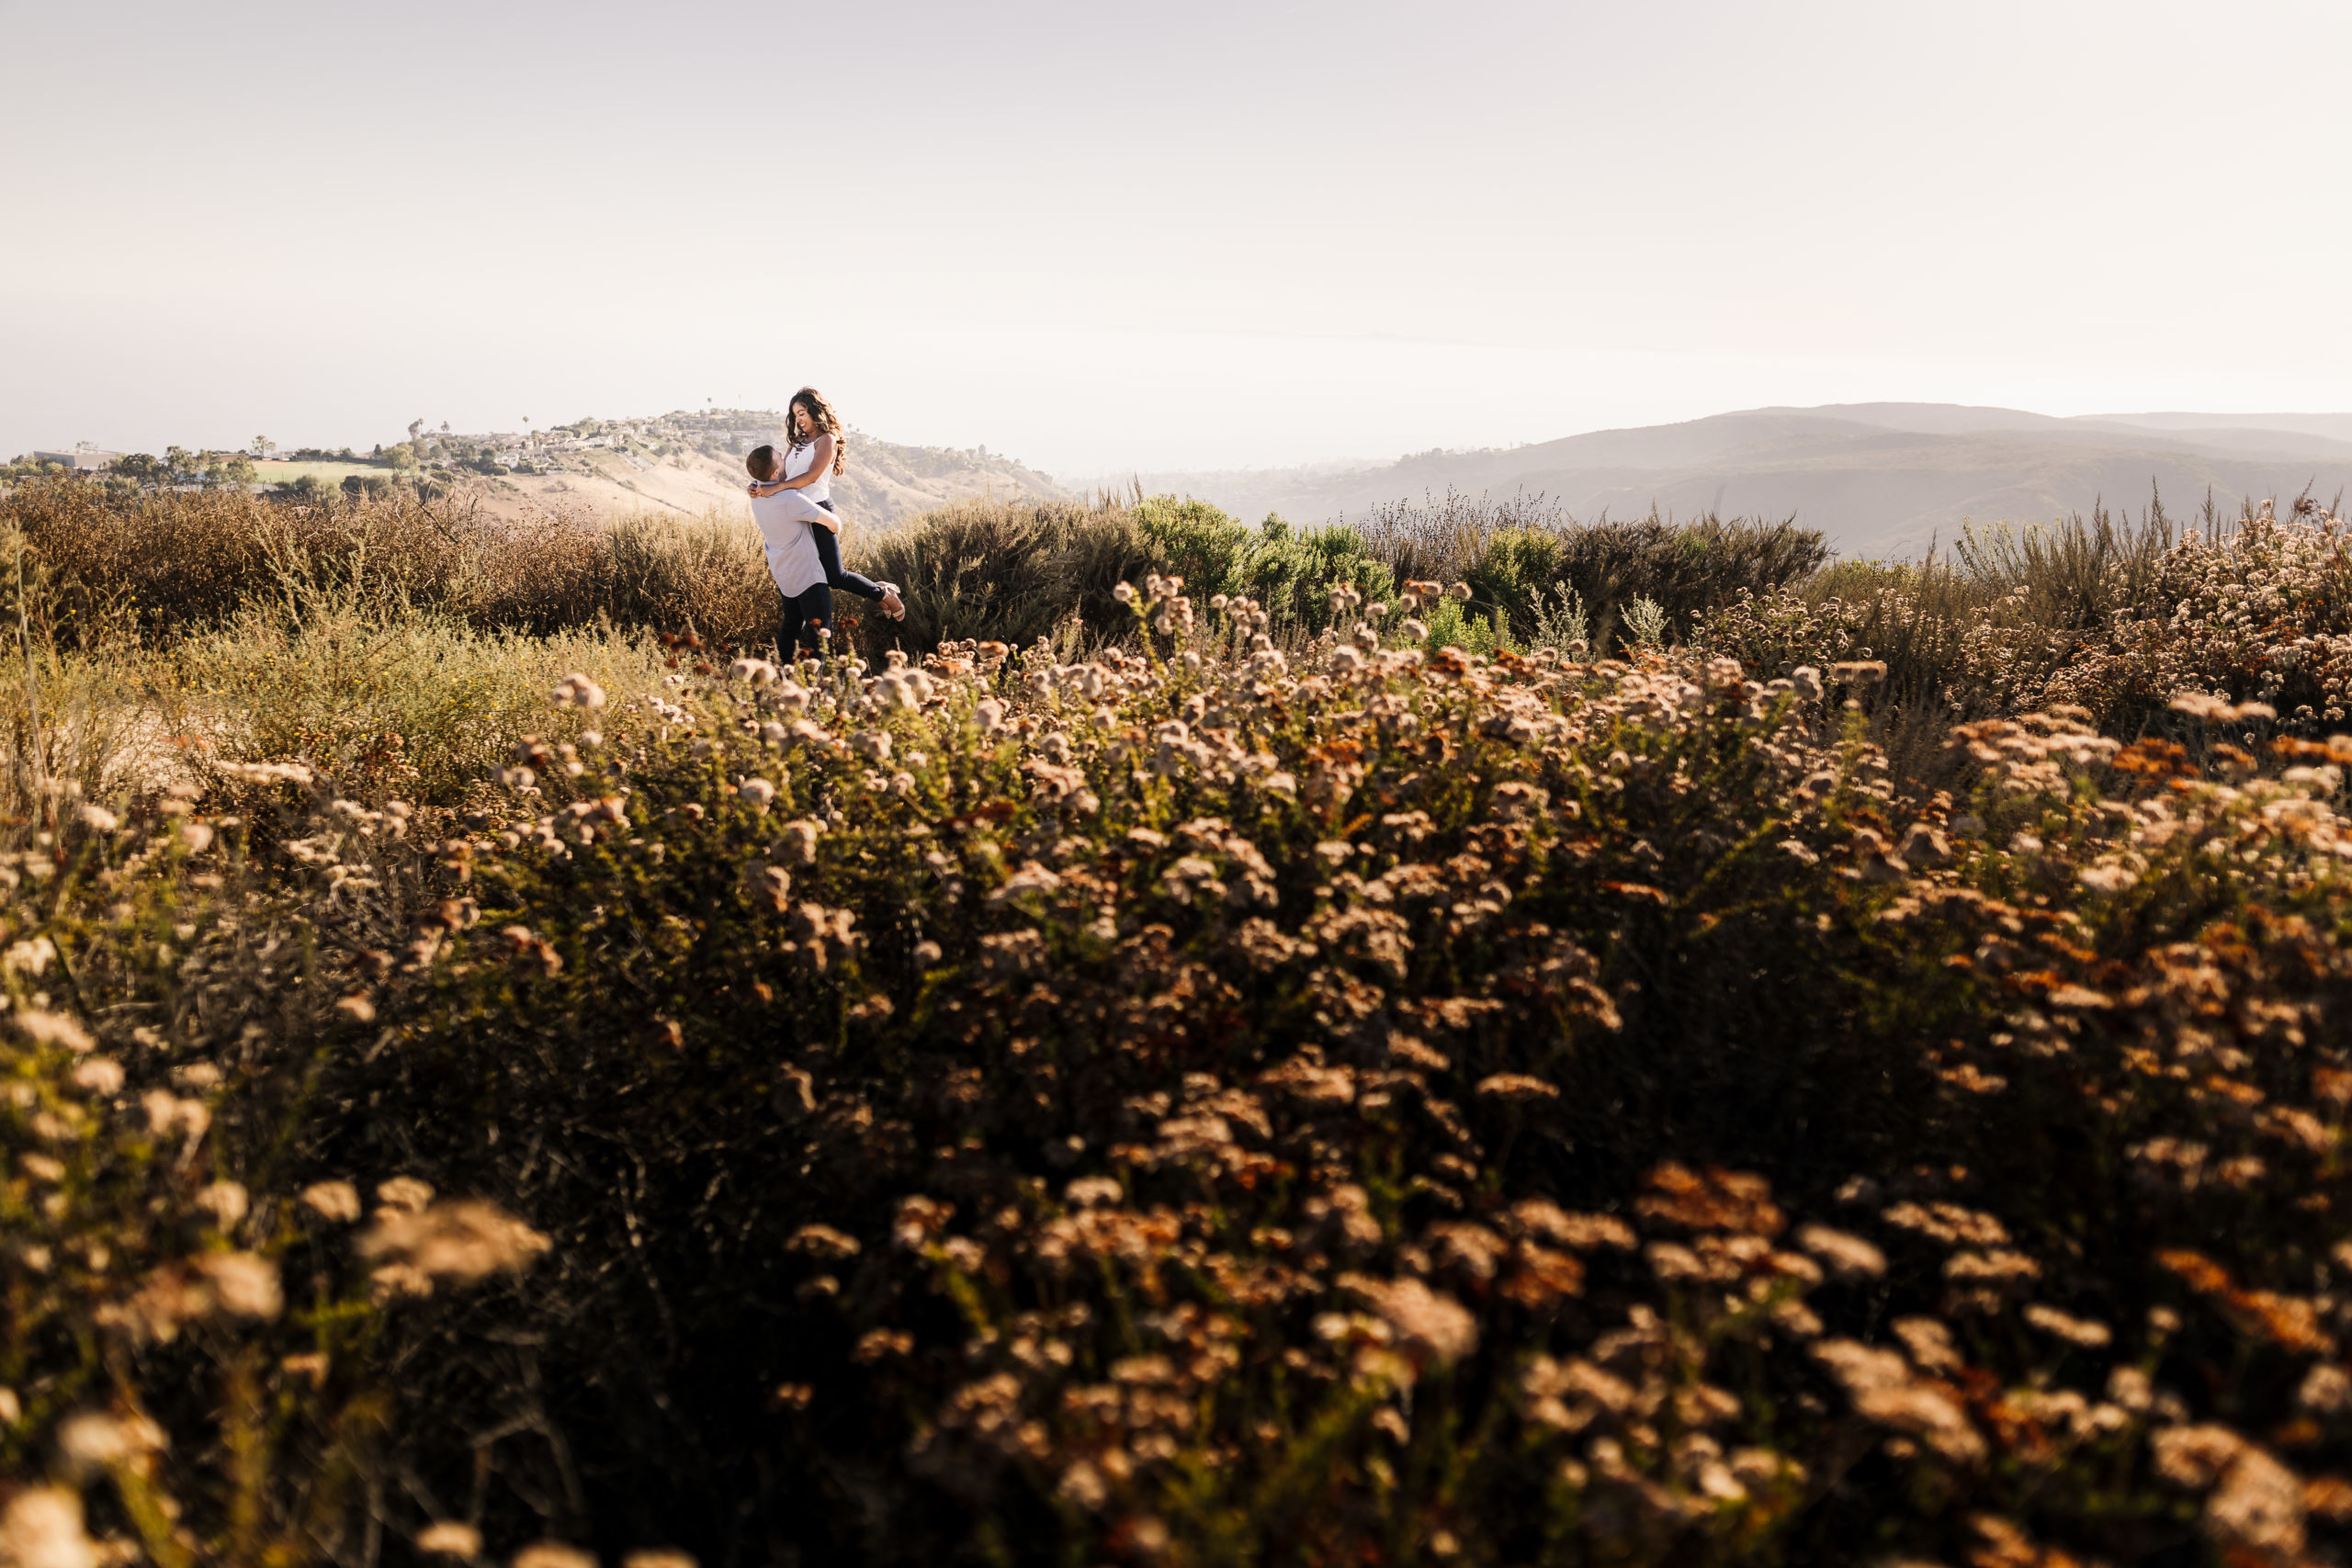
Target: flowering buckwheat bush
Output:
{"points": [[1213, 1101], [2258, 614], [2264, 616]]}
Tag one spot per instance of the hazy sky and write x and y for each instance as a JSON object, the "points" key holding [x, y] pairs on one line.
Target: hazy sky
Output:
{"points": [[1101, 235]]}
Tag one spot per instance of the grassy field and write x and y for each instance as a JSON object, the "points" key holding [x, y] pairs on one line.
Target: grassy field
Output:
{"points": [[1486, 1041]]}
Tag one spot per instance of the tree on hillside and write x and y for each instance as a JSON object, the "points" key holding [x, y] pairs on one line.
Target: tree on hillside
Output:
{"points": [[223, 470]]}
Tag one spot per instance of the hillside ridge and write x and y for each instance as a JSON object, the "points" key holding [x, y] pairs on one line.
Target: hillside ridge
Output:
{"points": [[1879, 479]]}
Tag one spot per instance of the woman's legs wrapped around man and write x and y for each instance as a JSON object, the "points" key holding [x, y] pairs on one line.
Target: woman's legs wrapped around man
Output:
{"points": [[829, 552]]}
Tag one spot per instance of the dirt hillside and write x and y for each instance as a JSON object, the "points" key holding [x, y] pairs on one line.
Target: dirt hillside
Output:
{"points": [[884, 482]]}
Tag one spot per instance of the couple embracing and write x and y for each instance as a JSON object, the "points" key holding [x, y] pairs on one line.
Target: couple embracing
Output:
{"points": [[792, 502]]}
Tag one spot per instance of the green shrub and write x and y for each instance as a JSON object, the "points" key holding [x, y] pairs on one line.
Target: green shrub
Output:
{"points": [[1196, 541], [1513, 566], [1451, 625], [1561, 625], [1016, 572], [1008, 571], [1293, 571], [1290, 571], [1685, 568]]}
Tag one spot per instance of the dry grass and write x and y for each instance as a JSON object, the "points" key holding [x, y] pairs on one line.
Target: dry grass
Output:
{"points": [[1441, 539], [383, 700], [168, 564]]}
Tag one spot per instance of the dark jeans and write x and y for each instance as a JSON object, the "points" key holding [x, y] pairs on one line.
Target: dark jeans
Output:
{"points": [[829, 553], [802, 618]]}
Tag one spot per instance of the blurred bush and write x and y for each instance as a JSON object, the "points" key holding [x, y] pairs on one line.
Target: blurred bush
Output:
{"points": [[188, 1336]]}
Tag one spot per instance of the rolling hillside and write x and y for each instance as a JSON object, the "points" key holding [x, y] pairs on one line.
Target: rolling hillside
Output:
{"points": [[884, 483], [1879, 479]]}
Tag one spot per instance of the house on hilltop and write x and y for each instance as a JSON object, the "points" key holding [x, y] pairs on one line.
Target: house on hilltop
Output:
{"points": [[83, 458]]}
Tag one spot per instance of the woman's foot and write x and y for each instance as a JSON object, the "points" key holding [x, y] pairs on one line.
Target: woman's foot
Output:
{"points": [[892, 606]]}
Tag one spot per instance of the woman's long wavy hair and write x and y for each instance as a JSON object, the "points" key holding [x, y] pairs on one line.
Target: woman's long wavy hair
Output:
{"points": [[822, 417]]}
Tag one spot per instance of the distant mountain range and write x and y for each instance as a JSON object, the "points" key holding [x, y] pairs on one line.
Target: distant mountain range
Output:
{"points": [[1881, 479]]}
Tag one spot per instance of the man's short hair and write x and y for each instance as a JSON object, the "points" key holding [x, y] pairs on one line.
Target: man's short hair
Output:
{"points": [[760, 460]]}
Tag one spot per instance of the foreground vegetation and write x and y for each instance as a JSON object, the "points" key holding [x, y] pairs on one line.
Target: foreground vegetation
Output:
{"points": [[1844, 1063]]}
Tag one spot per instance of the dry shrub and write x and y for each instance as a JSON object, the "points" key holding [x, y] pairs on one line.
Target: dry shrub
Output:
{"points": [[384, 699], [172, 560], [1684, 569], [1510, 551], [170, 563], [1441, 539], [1008, 570], [2112, 617]]}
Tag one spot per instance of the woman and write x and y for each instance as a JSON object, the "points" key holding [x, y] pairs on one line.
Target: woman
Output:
{"points": [[817, 451]]}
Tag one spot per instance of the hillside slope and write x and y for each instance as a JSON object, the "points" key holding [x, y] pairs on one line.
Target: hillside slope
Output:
{"points": [[884, 482], [1878, 478]]}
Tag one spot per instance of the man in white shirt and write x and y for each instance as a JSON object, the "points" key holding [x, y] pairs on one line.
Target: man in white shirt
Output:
{"points": [[799, 572]]}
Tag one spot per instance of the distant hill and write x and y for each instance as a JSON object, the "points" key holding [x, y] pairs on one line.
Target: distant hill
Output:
{"points": [[1878, 478]]}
